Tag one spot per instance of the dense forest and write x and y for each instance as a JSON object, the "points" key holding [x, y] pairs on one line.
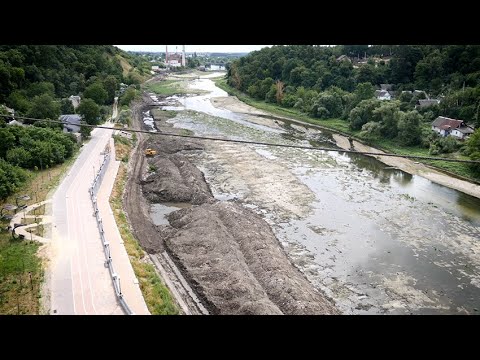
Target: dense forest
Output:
{"points": [[36, 81], [33, 78], [340, 82]]}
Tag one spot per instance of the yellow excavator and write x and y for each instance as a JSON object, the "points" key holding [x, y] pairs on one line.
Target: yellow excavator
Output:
{"points": [[150, 152]]}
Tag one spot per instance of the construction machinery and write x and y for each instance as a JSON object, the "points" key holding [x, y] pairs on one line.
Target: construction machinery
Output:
{"points": [[150, 152]]}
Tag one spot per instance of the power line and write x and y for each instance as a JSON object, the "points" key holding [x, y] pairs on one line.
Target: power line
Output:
{"points": [[257, 143]]}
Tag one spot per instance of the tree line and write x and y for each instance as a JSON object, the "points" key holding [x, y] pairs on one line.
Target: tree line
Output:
{"points": [[30, 148], [36, 81], [318, 81]]}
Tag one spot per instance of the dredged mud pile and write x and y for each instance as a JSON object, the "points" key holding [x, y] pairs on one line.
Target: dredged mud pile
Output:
{"points": [[175, 178], [229, 254]]}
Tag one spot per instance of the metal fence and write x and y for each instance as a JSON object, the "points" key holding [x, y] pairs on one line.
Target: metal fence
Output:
{"points": [[106, 246]]}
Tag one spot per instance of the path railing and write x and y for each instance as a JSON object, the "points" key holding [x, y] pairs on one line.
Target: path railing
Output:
{"points": [[106, 246]]}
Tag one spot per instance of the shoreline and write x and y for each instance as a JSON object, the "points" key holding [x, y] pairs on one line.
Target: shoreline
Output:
{"points": [[232, 103]]}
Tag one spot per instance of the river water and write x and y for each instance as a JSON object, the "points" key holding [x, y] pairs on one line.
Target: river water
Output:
{"points": [[376, 240]]}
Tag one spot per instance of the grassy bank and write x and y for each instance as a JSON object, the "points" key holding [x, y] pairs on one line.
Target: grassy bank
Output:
{"points": [[157, 297], [21, 269], [342, 127], [171, 87]]}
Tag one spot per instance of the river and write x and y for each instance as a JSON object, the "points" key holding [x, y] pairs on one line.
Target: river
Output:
{"points": [[374, 239]]}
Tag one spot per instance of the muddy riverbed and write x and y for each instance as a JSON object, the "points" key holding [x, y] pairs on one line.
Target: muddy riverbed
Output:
{"points": [[375, 239]]}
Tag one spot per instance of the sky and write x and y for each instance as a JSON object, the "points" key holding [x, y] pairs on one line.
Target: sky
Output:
{"points": [[194, 48]]}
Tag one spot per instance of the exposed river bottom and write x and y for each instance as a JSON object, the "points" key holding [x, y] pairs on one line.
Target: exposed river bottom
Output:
{"points": [[372, 238]]}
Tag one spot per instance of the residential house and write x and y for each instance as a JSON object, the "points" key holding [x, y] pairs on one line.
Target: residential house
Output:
{"points": [[343, 58], [383, 95], [214, 67], [386, 87], [420, 92], [15, 122], [75, 100], [71, 122], [451, 127], [11, 113], [425, 103]]}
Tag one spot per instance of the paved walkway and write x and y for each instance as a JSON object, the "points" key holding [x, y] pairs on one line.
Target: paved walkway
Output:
{"points": [[25, 214], [80, 282]]}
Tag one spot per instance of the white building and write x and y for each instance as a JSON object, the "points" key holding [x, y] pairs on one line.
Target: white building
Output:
{"points": [[383, 95], [447, 126], [75, 101], [175, 59]]}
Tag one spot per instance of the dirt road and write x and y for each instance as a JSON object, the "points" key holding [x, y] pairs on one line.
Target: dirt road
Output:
{"points": [[135, 205]]}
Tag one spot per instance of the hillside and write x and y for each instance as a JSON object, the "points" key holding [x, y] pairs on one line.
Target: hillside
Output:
{"points": [[27, 71], [343, 83]]}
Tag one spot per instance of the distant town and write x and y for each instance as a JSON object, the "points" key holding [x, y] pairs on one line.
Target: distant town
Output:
{"points": [[173, 59]]}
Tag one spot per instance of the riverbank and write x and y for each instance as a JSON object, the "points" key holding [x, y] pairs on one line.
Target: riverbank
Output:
{"points": [[243, 104], [157, 297]]}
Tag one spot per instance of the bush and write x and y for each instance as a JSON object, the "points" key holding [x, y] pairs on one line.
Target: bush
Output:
{"points": [[28, 147], [128, 96], [444, 145], [11, 177]]}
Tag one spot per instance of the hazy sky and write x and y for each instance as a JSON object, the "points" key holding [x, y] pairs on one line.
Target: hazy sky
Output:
{"points": [[193, 48]]}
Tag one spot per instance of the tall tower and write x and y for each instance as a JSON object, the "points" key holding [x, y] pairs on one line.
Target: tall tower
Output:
{"points": [[183, 56], [166, 54]]}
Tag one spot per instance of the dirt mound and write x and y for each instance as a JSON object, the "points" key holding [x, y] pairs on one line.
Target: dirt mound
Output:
{"points": [[234, 261], [173, 145], [175, 179]]}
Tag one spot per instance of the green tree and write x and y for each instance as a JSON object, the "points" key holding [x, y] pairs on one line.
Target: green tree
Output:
{"points": [[85, 131], [7, 141], [271, 95], [40, 88], [363, 113], [371, 131], [388, 114], [11, 177], [66, 107], [128, 96], [443, 145], [473, 150], [409, 131], [111, 85], [90, 111], [19, 157], [96, 92], [18, 101], [44, 107], [364, 91]]}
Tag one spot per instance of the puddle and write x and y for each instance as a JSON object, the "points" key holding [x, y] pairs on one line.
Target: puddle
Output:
{"points": [[159, 212]]}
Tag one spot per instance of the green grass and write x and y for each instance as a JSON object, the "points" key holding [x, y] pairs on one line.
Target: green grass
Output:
{"points": [[167, 87], [157, 296], [18, 257], [341, 126], [162, 115], [171, 87]]}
